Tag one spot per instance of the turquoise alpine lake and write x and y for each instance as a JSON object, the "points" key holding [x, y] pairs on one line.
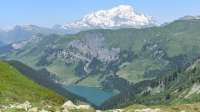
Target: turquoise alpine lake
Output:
{"points": [[94, 95]]}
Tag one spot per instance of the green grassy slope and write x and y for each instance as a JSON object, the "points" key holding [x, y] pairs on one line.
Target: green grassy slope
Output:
{"points": [[46, 79], [16, 88]]}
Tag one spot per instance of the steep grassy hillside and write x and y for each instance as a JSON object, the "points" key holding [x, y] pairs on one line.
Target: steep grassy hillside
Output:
{"points": [[16, 88], [46, 79]]}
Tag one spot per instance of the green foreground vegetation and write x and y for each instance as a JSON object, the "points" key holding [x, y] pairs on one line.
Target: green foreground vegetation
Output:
{"points": [[16, 88]]}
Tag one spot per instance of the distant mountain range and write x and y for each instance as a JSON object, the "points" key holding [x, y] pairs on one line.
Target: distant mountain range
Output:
{"points": [[122, 16], [20, 33]]}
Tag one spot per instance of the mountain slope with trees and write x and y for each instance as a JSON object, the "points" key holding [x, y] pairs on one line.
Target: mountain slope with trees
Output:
{"points": [[178, 87]]}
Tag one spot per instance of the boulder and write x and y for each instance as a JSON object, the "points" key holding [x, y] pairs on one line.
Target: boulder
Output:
{"points": [[34, 109], [147, 110], [83, 107], [68, 106]]}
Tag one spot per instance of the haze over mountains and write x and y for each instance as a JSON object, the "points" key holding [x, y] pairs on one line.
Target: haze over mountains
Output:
{"points": [[25, 32], [123, 16]]}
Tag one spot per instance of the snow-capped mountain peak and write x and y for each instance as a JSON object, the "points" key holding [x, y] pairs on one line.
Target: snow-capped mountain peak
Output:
{"points": [[117, 17]]}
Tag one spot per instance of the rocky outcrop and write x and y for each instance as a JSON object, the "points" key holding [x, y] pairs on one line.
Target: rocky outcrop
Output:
{"points": [[147, 110], [92, 45], [67, 106], [24, 107]]}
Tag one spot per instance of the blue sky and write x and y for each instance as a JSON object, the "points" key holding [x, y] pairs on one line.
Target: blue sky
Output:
{"points": [[50, 12]]}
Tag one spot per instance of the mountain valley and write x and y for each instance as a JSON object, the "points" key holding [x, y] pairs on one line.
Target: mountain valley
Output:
{"points": [[113, 60], [109, 60]]}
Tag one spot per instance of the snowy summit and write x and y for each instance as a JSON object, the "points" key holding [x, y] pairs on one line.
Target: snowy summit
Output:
{"points": [[122, 16]]}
